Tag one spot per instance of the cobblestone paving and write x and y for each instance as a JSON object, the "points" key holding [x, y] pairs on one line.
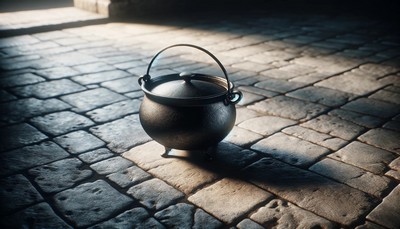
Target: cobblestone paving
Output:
{"points": [[316, 142]]}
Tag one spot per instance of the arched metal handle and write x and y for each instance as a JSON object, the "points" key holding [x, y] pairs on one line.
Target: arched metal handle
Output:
{"points": [[232, 97]]}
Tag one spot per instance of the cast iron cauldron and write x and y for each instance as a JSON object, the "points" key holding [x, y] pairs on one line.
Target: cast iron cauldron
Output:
{"points": [[188, 111]]}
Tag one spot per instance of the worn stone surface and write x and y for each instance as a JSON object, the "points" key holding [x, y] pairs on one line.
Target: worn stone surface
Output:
{"points": [[278, 85], [249, 98], [387, 213], [392, 125], [177, 216], [59, 175], [373, 107], [89, 203], [95, 155], [115, 111], [381, 138], [242, 137], [79, 141], [111, 165], [19, 135], [57, 73], [357, 118], [61, 122], [231, 158], [17, 192], [290, 149], [129, 176], [266, 125], [100, 77], [321, 95], [93, 67], [365, 156], [282, 214], [155, 194], [247, 223], [21, 79], [243, 114], [205, 220], [228, 199], [387, 96], [148, 155], [123, 85]]}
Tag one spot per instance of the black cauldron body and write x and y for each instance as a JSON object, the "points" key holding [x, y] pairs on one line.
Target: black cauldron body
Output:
{"points": [[188, 111]]}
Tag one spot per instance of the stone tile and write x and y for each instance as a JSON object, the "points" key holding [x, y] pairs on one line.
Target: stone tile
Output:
{"points": [[129, 176], [352, 176], [373, 107], [392, 125], [115, 111], [249, 98], [251, 66], [247, 223], [20, 80], [122, 134], [365, 156], [79, 142], [59, 175], [321, 95], [57, 72], [34, 63], [334, 126], [382, 138], [311, 192], [266, 125], [123, 85], [90, 203], [283, 214], [61, 122], [290, 149], [5, 96], [279, 85], [93, 67], [115, 59], [19, 135], [18, 41], [243, 114], [289, 71], [148, 155], [287, 107], [17, 192], [95, 155], [134, 218], [387, 212], [205, 220], [242, 137], [228, 199], [387, 96], [19, 110], [258, 91], [313, 136], [30, 156], [73, 58], [48, 89], [135, 94], [155, 194], [376, 70], [100, 77], [357, 118], [177, 216], [40, 215], [111, 165], [395, 164], [229, 157], [91, 99], [369, 225]]}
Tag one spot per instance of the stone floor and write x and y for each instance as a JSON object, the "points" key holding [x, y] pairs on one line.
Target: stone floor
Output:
{"points": [[315, 145]]}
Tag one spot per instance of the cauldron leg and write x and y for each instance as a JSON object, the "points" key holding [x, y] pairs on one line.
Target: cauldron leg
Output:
{"points": [[166, 152]]}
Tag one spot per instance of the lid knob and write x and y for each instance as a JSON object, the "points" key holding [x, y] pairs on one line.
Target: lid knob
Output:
{"points": [[187, 76]]}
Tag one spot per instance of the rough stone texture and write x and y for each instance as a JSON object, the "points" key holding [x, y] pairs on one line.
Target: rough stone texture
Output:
{"points": [[258, 91], [100, 77], [352, 176], [73, 58], [369, 225], [91, 99], [365, 156], [249, 224], [205, 220], [321, 95], [287, 107], [79, 141], [129, 176], [17, 192], [95, 155], [266, 125], [19, 135], [93, 67], [57, 73], [357, 118], [115, 111], [393, 125], [89, 203], [334, 126], [123, 85], [321, 139], [329, 199], [387, 213], [134, 218], [148, 155], [242, 137], [61, 122], [111, 165], [155, 194], [282, 214], [21, 79], [229, 199], [249, 98], [122, 134], [232, 158], [177, 216], [381, 138], [278, 85], [37, 216], [290, 149], [59, 175], [387, 96], [243, 114], [373, 107]]}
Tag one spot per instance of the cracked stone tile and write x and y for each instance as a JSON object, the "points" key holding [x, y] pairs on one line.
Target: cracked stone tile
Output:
{"points": [[357, 118], [382, 138], [19, 135], [387, 212], [95, 155], [111, 165], [387, 96], [129, 176], [79, 141]]}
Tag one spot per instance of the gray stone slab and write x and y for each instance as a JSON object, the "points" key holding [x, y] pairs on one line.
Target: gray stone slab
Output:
{"points": [[19, 135], [134, 218], [100, 77], [30, 156], [129, 176], [21, 79], [61, 122], [122, 134], [287, 107], [93, 67], [91, 99], [18, 41], [79, 141], [73, 58], [278, 85], [177, 216], [111, 165], [382, 138], [258, 91], [392, 125], [387, 213], [266, 125], [90, 203], [243, 114], [17, 192], [57, 72], [39, 216], [205, 220], [123, 85], [290, 149], [59, 175], [248, 224], [357, 118], [312, 192], [233, 158], [387, 96], [115, 111], [283, 214], [155, 194], [373, 107], [242, 137], [49, 89], [5, 96], [249, 98], [95, 155], [321, 95]]}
